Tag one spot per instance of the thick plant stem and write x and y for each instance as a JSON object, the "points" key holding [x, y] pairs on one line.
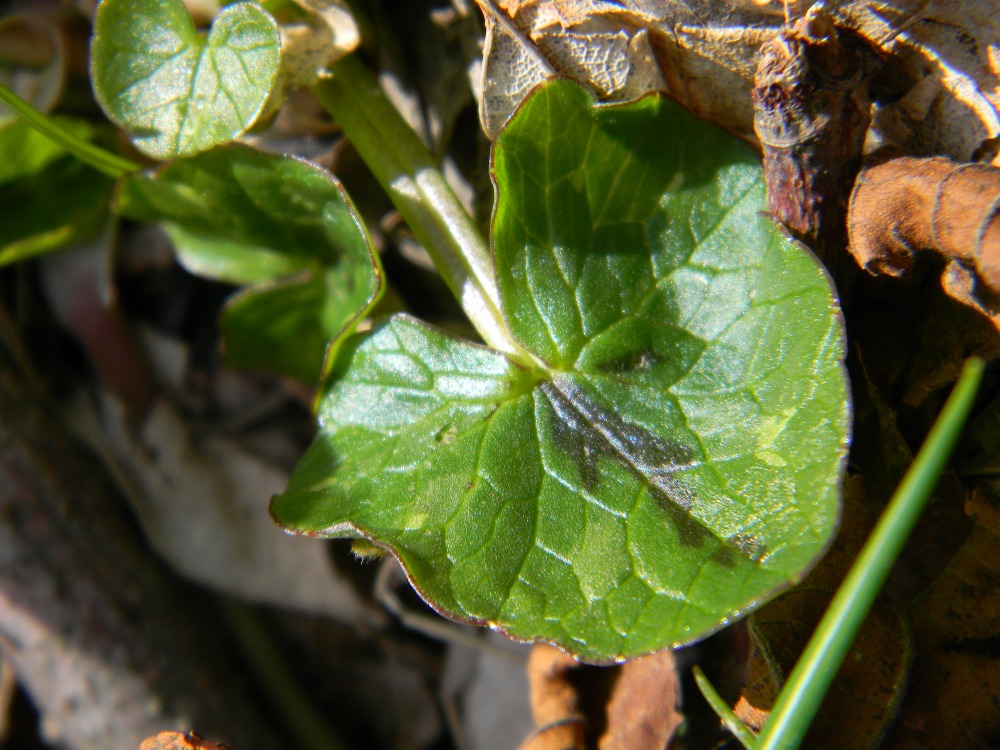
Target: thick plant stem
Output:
{"points": [[419, 190], [814, 672]]}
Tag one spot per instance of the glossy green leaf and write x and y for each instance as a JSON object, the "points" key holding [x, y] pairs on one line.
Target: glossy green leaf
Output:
{"points": [[243, 216], [671, 460], [176, 91], [296, 318]]}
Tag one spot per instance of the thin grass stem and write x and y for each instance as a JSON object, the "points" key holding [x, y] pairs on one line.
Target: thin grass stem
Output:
{"points": [[809, 681], [739, 730], [104, 161]]}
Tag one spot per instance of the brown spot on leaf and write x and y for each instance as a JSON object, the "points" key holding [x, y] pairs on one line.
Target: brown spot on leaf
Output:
{"points": [[586, 431]]}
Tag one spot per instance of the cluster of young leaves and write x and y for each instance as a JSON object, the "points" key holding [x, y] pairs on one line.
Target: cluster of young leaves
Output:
{"points": [[280, 224], [234, 214], [663, 454], [281, 227]]}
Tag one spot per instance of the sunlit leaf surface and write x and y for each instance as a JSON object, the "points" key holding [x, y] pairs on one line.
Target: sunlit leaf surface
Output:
{"points": [[673, 456], [242, 216], [175, 90]]}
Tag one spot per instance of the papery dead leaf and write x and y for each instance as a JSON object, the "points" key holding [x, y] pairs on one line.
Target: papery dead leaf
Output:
{"points": [[633, 706], [938, 92], [955, 687], [180, 741], [308, 48], [185, 487]]}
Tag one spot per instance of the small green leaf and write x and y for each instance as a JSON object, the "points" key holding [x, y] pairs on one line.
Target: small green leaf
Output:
{"points": [[674, 460], [25, 152], [285, 326], [50, 207], [48, 199], [174, 90], [243, 216]]}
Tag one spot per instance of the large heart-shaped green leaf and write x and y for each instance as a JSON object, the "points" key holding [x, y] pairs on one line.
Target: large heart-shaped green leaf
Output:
{"points": [[671, 459], [246, 217], [175, 91]]}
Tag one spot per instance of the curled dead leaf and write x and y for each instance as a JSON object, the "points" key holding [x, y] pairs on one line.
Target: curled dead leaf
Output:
{"points": [[628, 707], [180, 741], [903, 205], [554, 701]]}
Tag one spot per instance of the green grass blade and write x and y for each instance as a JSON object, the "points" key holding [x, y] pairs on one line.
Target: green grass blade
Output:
{"points": [[746, 738], [808, 683], [111, 164], [307, 727]]}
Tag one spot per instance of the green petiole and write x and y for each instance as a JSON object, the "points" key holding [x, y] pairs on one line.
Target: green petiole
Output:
{"points": [[419, 190]]}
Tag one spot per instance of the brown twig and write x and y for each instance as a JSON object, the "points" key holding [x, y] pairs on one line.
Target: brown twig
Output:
{"points": [[811, 113]]}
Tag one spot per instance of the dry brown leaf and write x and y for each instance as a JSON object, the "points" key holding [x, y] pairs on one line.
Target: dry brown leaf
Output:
{"points": [[180, 741], [307, 48], [554, 701], [938, 92], [955, 688], [643, 709], [629, 707], [903, 205]]}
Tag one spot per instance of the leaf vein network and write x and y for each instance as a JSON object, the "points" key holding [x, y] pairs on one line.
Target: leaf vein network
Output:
{"points": [[144, 75], [722, 217]]}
